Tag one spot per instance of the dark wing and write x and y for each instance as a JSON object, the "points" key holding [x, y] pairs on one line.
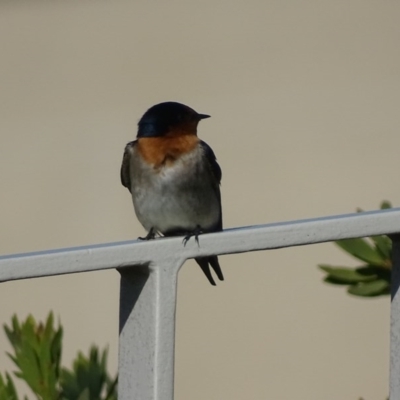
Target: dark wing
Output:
{"points": [[212, 160], [125, 167], [217, 173]]}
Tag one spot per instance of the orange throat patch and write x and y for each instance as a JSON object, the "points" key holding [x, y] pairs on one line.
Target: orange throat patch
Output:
{"points": [[165, 150]]}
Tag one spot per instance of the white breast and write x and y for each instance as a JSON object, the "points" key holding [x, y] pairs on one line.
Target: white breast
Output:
{"points": [[180, 196]]}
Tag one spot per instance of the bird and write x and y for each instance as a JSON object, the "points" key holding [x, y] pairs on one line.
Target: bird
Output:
{"points": [[174, 178]]}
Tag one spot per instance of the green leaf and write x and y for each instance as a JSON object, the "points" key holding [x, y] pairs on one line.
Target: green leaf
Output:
{"points": [[361, 249], [385, 205], [112, 389], [369, 289], [345, 275], [89, 375], [382, 273], [36, 352], [7, 389], [85, 395], [384, 246]]}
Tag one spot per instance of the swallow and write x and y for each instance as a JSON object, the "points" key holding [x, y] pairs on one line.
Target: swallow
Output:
{"points": [[174, 178]]}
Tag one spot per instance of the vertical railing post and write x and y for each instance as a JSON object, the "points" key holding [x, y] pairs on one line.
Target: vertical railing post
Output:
{"points": [[147, 331], [395, 321]]}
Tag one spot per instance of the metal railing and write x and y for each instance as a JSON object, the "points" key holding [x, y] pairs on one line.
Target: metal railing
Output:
{"points": [[149, 285]]}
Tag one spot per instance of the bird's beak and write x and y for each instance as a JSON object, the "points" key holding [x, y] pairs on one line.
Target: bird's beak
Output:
{"points": [[203, 116]]}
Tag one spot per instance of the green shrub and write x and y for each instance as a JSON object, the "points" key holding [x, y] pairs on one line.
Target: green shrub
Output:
{"points": [[36, 352]]}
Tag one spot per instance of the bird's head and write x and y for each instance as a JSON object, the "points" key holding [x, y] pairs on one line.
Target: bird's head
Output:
{"points": [[167, 118]]}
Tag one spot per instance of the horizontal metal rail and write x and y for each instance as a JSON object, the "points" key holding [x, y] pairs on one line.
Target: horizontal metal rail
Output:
{"points": [[148, 285], [230, 241]]}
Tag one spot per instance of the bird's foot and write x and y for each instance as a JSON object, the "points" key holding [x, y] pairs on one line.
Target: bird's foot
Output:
{"points": [[150, 236], [196, 232]]}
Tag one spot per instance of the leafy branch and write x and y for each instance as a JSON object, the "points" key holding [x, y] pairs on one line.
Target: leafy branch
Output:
{"points": [[372, 278], [37, 352]]}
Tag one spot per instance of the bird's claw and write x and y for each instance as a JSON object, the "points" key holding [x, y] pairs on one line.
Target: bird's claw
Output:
{"points": [[196, 232], [150, 236]]}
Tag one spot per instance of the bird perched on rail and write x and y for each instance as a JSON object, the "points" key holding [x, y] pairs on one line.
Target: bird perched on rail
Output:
{"points": [[174, 177]]}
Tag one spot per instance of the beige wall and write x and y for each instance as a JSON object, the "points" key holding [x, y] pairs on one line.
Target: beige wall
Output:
{"points": [[305, 102]]}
